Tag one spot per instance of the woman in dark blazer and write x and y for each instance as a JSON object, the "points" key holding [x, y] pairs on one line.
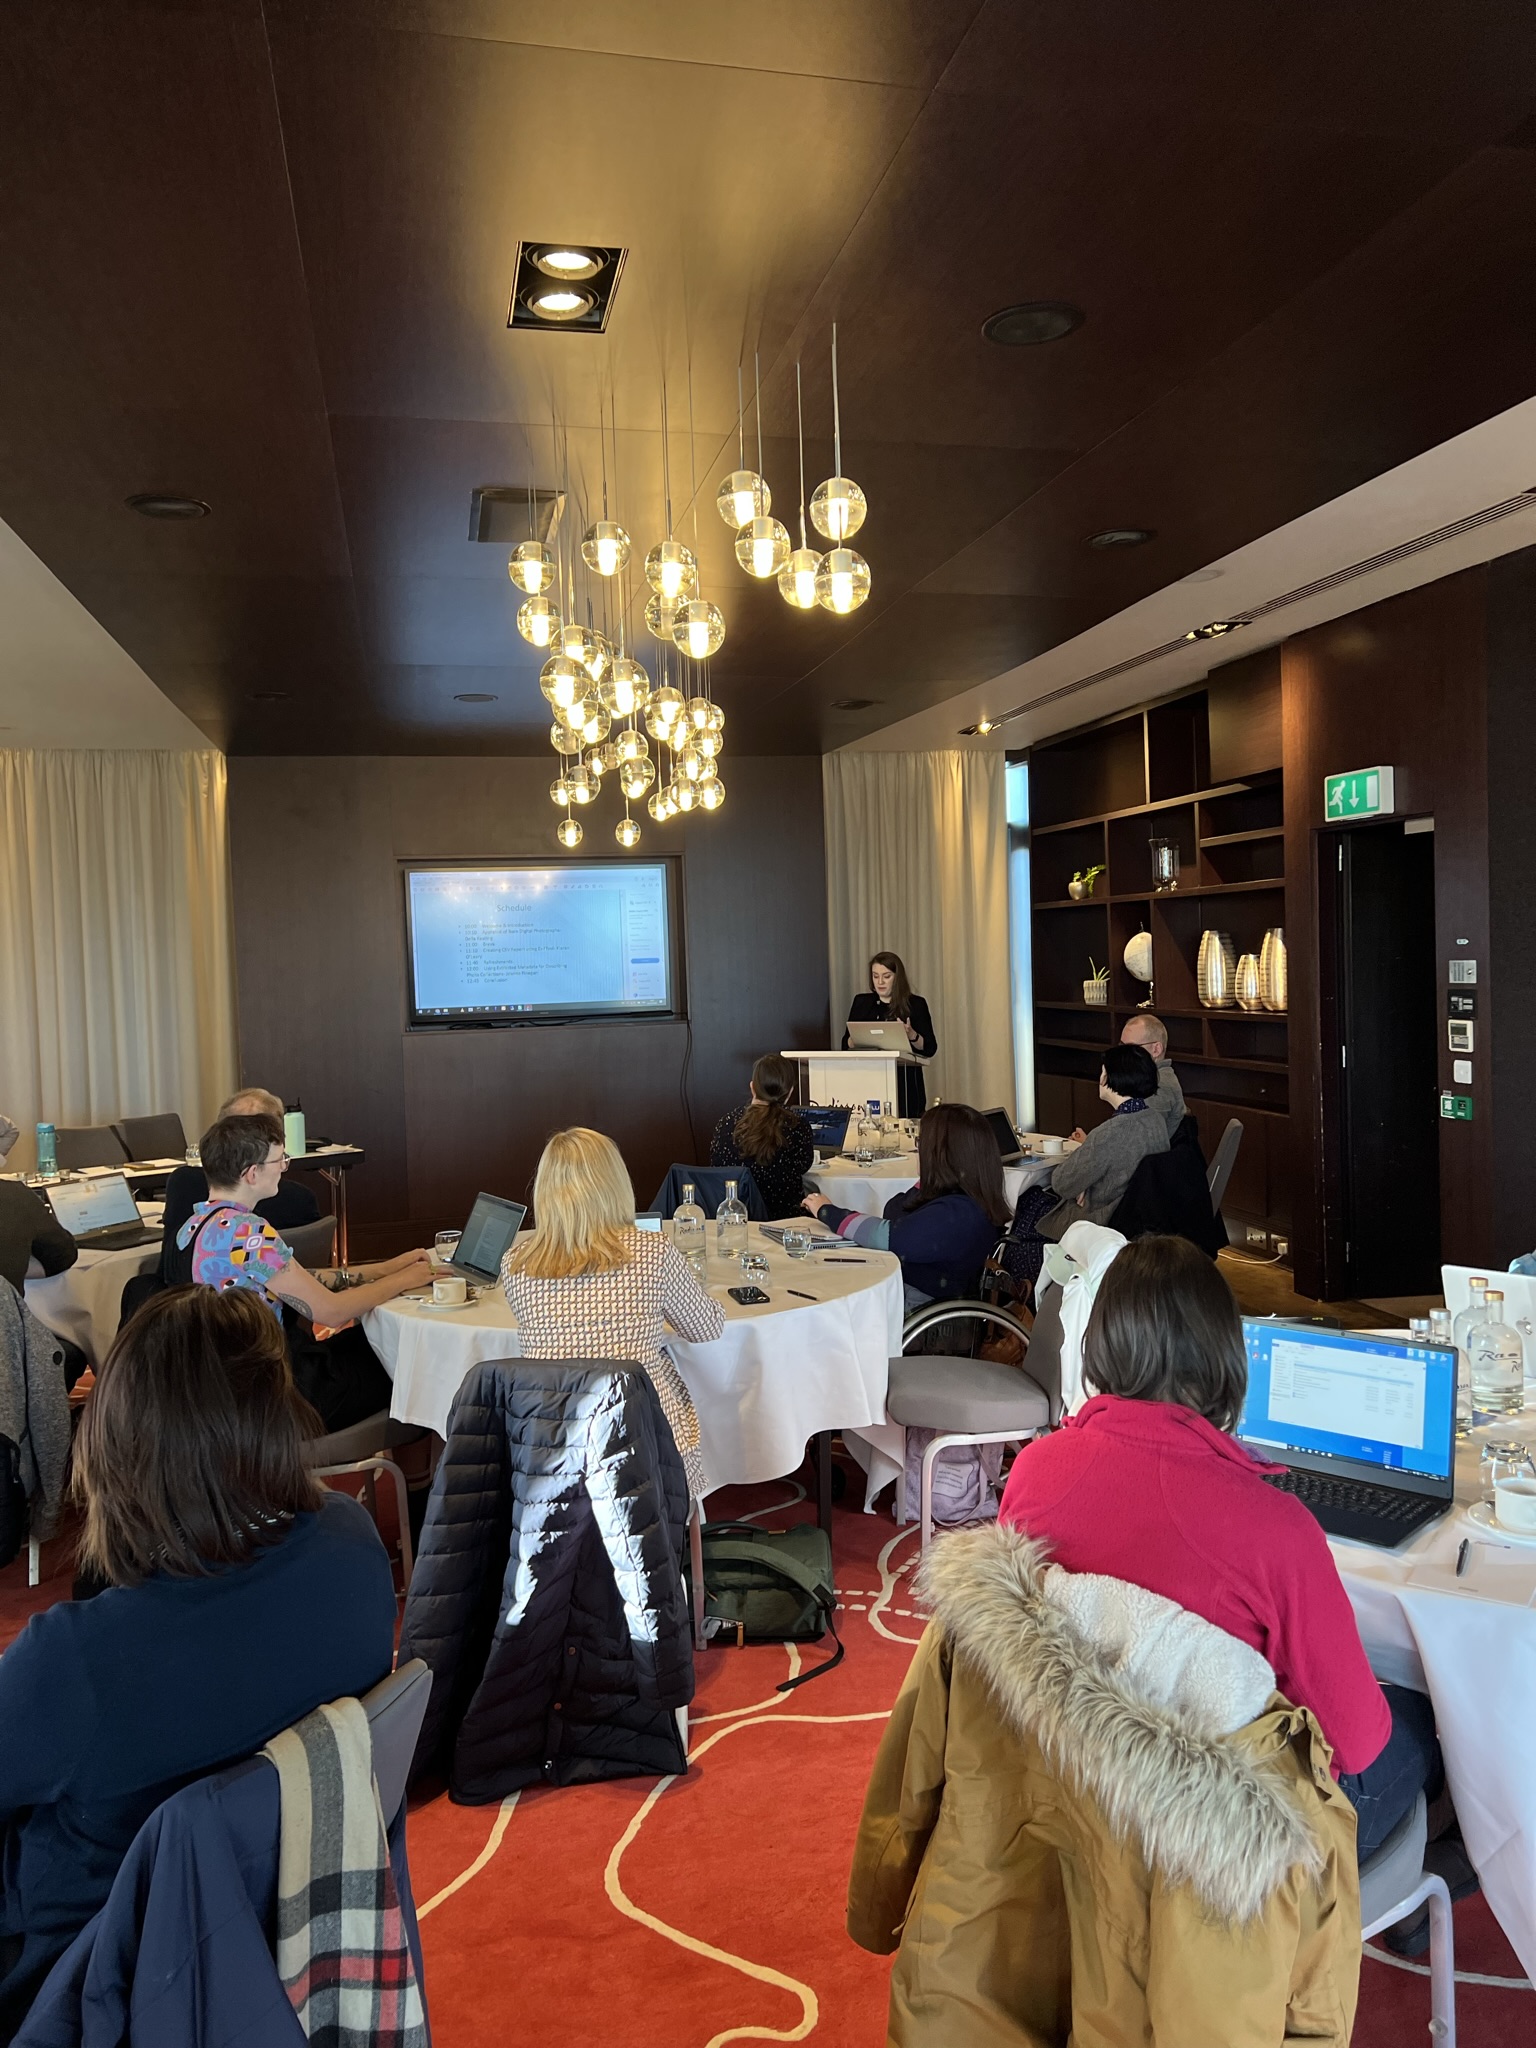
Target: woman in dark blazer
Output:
{"points": [[889, 996]]}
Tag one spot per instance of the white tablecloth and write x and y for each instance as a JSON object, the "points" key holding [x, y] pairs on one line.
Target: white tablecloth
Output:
{"points": [[778, 1375], [1470, 1644], [85, 1302], [867, 1189]]}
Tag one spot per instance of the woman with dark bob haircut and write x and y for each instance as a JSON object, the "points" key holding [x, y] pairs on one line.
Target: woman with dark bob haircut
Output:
{"points": [[1147, 1483], [240, 1596]]}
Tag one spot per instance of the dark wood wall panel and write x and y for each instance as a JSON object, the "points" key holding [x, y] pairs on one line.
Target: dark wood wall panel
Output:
{"points": [[320, 947], [1507, 992], [1401, 683]]}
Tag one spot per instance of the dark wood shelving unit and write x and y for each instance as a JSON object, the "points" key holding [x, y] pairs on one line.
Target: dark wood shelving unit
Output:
{"points": [[1211, 783]]}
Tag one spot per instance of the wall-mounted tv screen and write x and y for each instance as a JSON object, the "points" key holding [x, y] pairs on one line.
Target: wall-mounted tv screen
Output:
{"points": [[517, 944]]}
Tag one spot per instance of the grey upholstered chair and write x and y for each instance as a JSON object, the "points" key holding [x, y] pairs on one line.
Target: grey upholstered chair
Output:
{"points": [[152, 1137], [77, 1145], [1393, 1884]]}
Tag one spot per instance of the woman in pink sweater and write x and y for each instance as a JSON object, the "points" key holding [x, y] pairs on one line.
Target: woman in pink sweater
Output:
{"points": [[1146, 1483]]}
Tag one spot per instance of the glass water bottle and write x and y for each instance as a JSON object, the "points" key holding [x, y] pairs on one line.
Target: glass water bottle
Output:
{"points": [[731, 1224], [688, 1230], [1467, 1319], [1442, 1331], [1498, 1360]]}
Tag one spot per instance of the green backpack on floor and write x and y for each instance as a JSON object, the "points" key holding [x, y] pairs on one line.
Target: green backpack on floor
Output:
{"points": [[770, 1586]]}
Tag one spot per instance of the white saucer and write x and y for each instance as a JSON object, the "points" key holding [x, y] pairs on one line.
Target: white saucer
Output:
{"points": [[1481, 1516], [446, 1308]]}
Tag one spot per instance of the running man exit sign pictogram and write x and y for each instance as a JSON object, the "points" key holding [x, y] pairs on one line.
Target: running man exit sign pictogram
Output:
{"points": [[1362, 793]]}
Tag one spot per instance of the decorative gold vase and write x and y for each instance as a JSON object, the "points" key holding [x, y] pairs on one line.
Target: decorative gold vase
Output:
{"points": [[1246, 984], [1216, 971], [1273, 970]]}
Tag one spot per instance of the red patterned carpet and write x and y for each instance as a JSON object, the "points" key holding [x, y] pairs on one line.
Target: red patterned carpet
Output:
{"points": [[710, 1910]]}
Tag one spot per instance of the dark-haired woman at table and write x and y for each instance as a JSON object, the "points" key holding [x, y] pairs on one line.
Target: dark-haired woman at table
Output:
{"points": [[889, 998], [770, 1137]]}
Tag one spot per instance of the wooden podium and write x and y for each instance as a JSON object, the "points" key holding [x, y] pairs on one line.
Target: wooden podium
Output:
{"points": [[835, 1078]]}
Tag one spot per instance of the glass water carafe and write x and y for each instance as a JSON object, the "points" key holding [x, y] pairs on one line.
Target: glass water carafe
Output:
{"points": [[688, 1229], [731, 1224], [1498, 1360]]}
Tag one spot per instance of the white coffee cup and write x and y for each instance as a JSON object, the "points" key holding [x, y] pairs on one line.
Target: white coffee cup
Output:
{"points": [[449, 1289], [1052, 1147], [1514, 1504]]}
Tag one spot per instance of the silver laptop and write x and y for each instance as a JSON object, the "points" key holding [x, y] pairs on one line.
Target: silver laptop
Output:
{"points": [[890, 1037], [486, 1239], [100, 1213], [1365, 1426]]}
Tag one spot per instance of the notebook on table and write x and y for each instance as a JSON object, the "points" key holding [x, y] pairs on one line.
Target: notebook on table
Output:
{"points": [[100, 1214], [486, 1239], [1365, 1426]]}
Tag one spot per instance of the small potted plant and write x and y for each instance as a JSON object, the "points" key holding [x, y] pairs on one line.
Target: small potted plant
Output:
{"points": [[1096, 992], [1081, 884]]}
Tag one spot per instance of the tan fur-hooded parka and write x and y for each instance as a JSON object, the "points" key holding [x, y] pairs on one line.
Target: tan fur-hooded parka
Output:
{"points": [[1059, 1862]]}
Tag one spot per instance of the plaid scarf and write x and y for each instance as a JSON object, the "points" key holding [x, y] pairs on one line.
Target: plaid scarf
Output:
{"points": [[342, 1951]]}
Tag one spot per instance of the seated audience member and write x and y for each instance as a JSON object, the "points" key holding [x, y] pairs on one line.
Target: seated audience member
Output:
{"points": [[1152, 1033], [231, 1246], [294, 1202], [943, 1229], [769, 1137], [240, 1596], [1147, 1483], [1088, 1183], [586, 1283], [29, 1230]]}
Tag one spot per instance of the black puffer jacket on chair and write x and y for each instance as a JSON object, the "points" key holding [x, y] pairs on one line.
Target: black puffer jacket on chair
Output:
{"points": [[548, 1593]]}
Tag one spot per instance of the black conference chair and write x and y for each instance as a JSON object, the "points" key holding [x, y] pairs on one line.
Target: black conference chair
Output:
{"points": [[1169, 1194], [152, 1137], [709, 1189], [77, 1145]]}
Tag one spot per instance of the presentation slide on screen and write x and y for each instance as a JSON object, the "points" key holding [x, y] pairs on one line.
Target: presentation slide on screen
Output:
{"points": [[531, 941]]}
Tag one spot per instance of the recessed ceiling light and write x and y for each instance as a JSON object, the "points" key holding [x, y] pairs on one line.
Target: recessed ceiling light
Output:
{"points": [[160, 505], [856, 703], [1122, 537], [561, 302], [1036, 321], [475, 697], [983, 725], [1215, 629], [569, 263]]}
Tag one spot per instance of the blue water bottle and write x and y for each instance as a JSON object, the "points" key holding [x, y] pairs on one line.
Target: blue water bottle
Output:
{"points": [[47, 1152]]}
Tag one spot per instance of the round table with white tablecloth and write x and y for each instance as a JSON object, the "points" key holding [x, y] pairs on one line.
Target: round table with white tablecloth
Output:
{"points": [[84, 1303], [868, 1188], [780, 1373]]}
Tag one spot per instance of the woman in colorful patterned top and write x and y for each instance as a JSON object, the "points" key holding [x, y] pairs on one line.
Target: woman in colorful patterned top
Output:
{"points": [[588, 1284]]}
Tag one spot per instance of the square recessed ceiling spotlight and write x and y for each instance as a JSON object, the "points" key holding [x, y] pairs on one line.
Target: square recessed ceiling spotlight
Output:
{"points": [[564, 284]]}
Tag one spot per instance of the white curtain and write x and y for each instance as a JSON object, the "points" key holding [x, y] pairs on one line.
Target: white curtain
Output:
{"points": [[917, 864], [116, 977]]}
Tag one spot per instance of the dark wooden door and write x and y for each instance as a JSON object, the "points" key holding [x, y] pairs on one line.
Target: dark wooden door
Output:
{"points": [[1385, 1056]]}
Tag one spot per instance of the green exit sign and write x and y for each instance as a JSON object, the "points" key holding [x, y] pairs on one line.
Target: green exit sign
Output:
{"points": [[1457, 1108], [1362, 793]]}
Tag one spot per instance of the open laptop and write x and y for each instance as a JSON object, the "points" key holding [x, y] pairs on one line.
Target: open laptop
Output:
{"points": [[1000, 1124], [1519, 1290], [486, 1239], [1365, 1426], [829, 1127], [100, 1214], [891, 1037]]}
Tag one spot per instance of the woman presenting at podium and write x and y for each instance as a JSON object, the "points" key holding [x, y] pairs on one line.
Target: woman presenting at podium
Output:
{"points": [[889, 997]]}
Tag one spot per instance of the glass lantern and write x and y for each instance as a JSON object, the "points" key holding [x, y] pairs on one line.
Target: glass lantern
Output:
{"points": [[605, 547], [531, 567], [699, 628], [538, 622], [762, 548], [797, 579], [743, 496], [837, 509], [671, 570], [842, 581]]}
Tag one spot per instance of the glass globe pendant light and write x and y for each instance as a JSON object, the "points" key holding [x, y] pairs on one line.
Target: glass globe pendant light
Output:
{"points": [[627, 832], [763, 547], [797, 574], [626, 689], [660, 613], [690, 762], [582, 786], [838, 506], [605, 757], [588, 647], [633, 746], [563, 681], [660, 805], [538, 622], [744, 495], [842, 581], [685, 796], [708, 743], [605, 547], [671, 570], [637, 775], [711, 792], [663, 711], [696, 711], [568, 832], [531, 566], [698, 628], [560, 791], [596, 727]]}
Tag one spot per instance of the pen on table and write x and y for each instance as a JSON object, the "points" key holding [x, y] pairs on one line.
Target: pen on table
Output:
{"points": [[801, 1297], [834, 1259], [1463, 1554]]}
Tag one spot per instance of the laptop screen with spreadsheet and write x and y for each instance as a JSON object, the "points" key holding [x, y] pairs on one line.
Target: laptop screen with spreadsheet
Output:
{"points": [[1342, 1396]]}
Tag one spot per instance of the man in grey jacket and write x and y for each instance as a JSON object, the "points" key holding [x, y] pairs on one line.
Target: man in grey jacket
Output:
{"points": [[1151, 1032]]}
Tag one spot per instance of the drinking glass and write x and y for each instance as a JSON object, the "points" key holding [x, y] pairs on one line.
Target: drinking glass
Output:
{"points": [[444, 1245], [798, 1243], [194, 1155], [1503, 1458], [754, 1270]]}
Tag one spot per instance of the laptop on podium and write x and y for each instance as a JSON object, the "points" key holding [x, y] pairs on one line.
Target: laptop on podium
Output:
{"points": [[1364, 1426]]}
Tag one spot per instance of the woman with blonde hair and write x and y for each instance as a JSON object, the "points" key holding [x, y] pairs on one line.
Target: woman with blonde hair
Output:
{"points": [[588, 1284]]}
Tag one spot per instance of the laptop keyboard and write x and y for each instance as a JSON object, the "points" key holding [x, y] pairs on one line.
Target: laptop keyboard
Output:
{"points": [[1351, 1496]]}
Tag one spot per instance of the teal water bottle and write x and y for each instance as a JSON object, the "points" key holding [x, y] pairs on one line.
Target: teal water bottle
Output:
{"points": [[47, 1152]]}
